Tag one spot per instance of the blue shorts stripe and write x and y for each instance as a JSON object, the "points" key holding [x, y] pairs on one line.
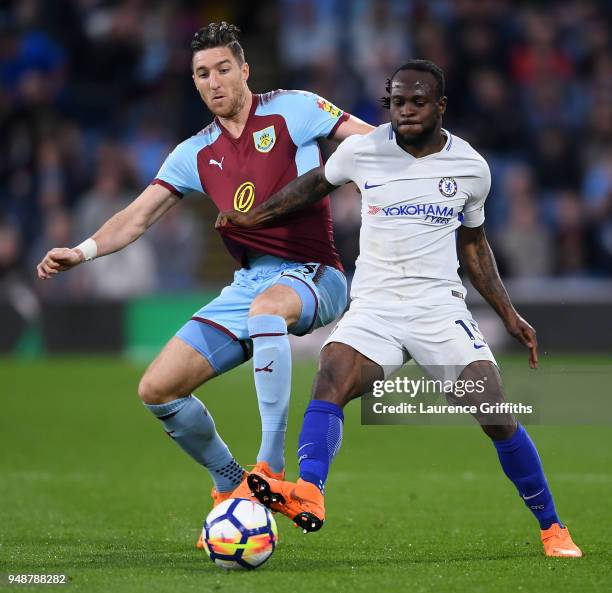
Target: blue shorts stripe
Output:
{"points": [[245, 349], [214, 342]]}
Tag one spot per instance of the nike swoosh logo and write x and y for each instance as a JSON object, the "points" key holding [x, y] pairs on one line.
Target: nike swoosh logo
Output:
{"points": [[297, 497], [366, 186], [479, 346], [533, 495]]}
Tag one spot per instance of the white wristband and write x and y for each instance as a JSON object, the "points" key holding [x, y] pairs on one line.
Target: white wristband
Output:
{"points": [[89, 248]]}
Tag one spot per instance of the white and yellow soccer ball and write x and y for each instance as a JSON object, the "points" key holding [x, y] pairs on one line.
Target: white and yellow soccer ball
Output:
{"points": [[239, 533]]}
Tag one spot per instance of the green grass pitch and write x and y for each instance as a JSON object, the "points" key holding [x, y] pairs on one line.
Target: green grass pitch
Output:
{"points": [[91, 487]]}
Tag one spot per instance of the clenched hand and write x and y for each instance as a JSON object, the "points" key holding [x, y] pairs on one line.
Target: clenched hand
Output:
{"points": [[57, 260], [238, 218]]}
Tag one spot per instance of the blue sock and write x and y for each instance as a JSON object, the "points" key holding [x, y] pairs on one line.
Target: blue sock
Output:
{"points": [[187, 421], [320, 441], [521, 463], [272, 371]]}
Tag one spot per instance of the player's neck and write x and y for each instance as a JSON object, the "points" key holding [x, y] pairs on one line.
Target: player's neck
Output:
{"points": [[429, 145], [235, 124]]}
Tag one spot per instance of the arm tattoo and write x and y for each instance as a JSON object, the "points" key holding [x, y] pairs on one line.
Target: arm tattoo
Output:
{"points": [[299, 193], [478, 259]]}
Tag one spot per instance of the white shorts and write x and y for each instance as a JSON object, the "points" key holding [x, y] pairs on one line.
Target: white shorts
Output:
{"points": [[442, 339]]}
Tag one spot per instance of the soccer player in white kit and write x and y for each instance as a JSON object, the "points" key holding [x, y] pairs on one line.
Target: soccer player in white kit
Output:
{"points": [[423, 191]]}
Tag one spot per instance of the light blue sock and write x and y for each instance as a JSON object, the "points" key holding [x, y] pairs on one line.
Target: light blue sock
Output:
{"points": [[272, 371], [187, 421]]}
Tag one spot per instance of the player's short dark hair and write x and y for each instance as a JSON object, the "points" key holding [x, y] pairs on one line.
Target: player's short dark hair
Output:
{"points": [[421, 66], [218, 35]]}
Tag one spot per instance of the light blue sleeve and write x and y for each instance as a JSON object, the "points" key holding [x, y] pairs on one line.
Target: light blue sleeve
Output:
{"points": [[180, 169], [308, 116]]}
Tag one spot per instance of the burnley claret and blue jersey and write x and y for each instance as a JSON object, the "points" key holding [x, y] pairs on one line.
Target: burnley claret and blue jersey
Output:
{"points": [[278, 144]]}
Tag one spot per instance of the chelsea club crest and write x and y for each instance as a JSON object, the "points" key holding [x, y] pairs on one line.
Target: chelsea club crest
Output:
{"points": [[447, 187], [264, 139]]}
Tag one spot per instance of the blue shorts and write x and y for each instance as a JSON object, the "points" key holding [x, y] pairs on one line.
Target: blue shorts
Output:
{"points": [[322, 290]]}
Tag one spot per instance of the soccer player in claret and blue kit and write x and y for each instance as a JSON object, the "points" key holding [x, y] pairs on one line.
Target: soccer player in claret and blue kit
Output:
{"points": [[420, 186], [290, 280]]}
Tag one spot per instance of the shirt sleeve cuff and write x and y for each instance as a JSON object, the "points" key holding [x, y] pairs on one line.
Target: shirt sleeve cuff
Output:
{"points": [[473, 219], [168, 186], [341, 119]]}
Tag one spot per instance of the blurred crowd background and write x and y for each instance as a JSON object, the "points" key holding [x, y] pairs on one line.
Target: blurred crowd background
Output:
{"points": [[95, 93]]}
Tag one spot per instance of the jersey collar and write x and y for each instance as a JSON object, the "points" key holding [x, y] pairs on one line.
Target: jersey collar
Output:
{"points": [[224, 132], [445, 148]]}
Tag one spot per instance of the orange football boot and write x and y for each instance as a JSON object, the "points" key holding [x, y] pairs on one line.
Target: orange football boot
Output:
{"points": [[263, 469], [218, 498], [301, 501], [558, 542]]}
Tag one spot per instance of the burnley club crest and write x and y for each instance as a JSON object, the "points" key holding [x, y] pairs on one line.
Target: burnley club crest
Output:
{"points": [[264, 139]]}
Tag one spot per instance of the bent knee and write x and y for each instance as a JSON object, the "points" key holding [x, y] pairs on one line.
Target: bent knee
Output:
{"points": [[265, 305], [479, 368], [152, 393], [278, 300]]}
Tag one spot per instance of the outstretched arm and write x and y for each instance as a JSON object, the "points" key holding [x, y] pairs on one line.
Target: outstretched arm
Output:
{"points": [[353, 125], [477, 258], [115, 234], [299, 193]]}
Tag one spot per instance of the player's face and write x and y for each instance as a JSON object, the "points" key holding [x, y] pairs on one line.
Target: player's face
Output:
{"points": [[220, 80], [415, 109]]}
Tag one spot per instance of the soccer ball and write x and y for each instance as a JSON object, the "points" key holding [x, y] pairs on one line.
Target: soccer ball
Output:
{"points": [[239, 533]]}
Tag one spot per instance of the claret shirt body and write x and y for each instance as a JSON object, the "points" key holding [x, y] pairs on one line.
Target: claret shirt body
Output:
{"points": [[278, 144]]}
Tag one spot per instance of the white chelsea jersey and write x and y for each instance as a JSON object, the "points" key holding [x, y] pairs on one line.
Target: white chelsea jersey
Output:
{"points": [[411, 208]]}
